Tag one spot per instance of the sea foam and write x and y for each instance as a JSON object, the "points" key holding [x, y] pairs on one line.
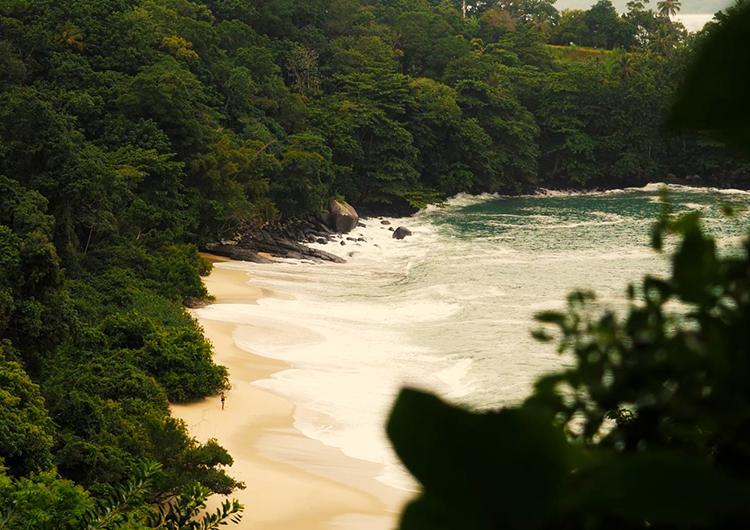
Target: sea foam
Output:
{"points": [[343, 331]]}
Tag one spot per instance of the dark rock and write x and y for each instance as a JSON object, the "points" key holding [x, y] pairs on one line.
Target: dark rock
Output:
{"points": [[385, 222], [343, 243], [391, 229], [326, 256], [235, 252], [282, 240], [343, 217], [398, 208], [325, 218], [401, 232], [285, 248], [362, 225], [351, 238], [322, 227]]}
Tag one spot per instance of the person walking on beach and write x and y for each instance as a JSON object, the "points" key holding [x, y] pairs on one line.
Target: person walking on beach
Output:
{"points": [[223, 398]]}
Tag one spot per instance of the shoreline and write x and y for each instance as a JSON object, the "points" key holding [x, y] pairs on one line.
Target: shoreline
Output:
{"points": [[292, 481]]}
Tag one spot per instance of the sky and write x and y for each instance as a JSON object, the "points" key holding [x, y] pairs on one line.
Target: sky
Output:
{"points": [[688, 6]]}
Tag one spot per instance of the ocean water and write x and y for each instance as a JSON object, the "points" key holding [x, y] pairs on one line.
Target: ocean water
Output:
{"points": [[449, 309]]}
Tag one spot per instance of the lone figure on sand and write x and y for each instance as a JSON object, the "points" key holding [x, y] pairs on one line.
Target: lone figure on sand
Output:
{"points": [[223, 398]]}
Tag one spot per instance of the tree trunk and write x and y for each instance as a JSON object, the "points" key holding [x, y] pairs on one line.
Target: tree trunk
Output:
{"points": [[88, 241]]}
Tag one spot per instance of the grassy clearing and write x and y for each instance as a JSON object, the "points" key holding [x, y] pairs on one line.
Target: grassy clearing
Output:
{"points": [[579, 53]]}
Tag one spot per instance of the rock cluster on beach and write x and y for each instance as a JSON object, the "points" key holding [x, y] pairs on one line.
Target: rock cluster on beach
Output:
{"points": [[281, 240], [291, 239]]}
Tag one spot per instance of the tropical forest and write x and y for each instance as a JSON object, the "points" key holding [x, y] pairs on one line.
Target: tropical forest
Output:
{"points": [[137, 135]]}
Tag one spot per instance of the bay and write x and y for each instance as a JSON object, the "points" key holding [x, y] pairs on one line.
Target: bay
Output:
{"points": [[450, 309]]}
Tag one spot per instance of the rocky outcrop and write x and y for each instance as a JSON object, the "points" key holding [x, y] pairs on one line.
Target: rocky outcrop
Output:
{"points": [[282, 247], [290, 239], [401, 232], [280, 240], [342, 216], [235, 252]]}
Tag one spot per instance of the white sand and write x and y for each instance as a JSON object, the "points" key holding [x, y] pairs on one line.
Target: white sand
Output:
{"points": [[293, 482]]}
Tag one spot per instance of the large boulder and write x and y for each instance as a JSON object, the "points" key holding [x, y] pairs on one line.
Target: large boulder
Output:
{"points": [[401, 232], [343, 217]]}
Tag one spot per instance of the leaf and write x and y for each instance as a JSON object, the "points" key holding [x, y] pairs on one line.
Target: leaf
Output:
{"points": [[659, 487], [551, 317], [715, 94], [542, 336], [695, 267], [493, 467]]}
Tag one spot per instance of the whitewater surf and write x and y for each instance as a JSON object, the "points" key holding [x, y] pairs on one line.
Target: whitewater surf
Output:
{"points": [[450, 308]]}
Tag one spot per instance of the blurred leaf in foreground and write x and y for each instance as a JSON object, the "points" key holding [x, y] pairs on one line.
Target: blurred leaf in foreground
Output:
{"points": [[715, 94]]}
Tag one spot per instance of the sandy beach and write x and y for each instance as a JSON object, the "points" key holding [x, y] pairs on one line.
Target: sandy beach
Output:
{"points": [[293, 482]]}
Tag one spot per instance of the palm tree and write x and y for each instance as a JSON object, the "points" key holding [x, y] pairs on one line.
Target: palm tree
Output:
{"points": [[636, 5], [668, 8], [625, 65]]}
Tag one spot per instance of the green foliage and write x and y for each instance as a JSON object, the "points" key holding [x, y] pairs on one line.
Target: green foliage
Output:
{"points": [[307, 174], [515, 469], [45, 502], [26, 431], [177, 356], [98, 231], [185, 117], [187, 512], [42, 501], [33, 305], [123, 507], [672, 377]]}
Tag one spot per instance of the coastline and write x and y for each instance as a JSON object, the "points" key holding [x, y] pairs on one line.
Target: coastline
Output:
{"points": [[292, 482], [309, 316]]}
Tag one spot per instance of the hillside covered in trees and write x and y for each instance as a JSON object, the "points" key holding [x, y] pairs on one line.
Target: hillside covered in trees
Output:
{"points": [[134, 131]]}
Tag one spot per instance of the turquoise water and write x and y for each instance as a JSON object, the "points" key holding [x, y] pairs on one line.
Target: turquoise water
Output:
{"points": [[512, 257], [451, 308]]}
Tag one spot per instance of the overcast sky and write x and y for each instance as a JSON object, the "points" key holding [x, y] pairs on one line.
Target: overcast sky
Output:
{"points": [[688, 6]]}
